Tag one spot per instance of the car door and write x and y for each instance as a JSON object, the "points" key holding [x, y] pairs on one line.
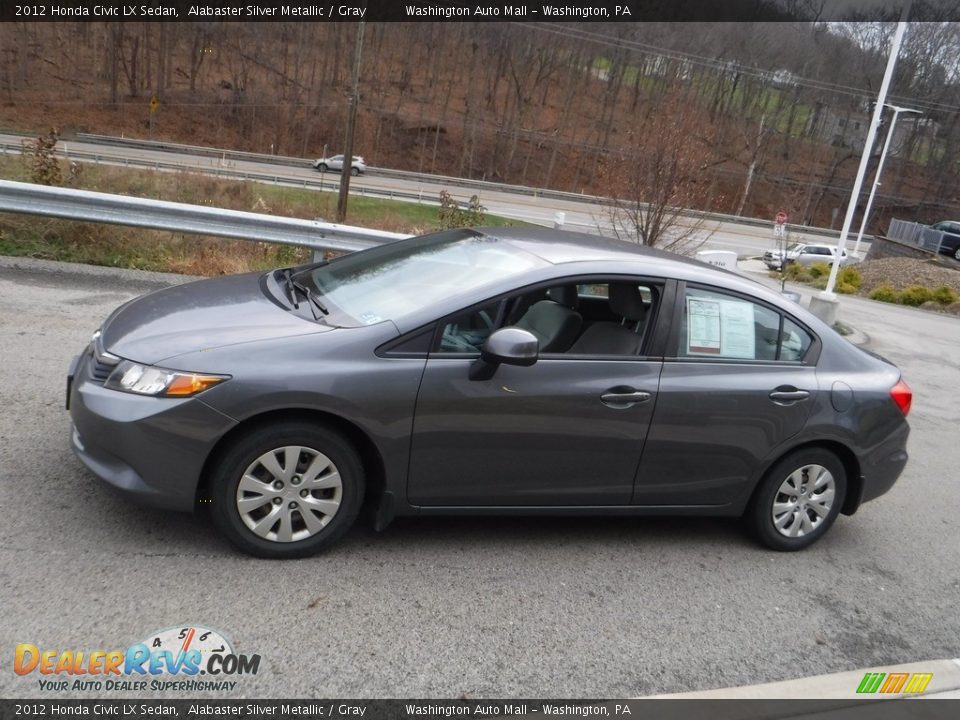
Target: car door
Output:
{"points": [[736, 386], [566, 431]]}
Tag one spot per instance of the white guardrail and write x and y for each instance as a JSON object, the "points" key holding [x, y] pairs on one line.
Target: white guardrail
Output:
{"points": [[100, 207]]}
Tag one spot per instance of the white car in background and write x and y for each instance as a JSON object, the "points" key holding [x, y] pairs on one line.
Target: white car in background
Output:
{"points": [[806, 254], [358, 167]]}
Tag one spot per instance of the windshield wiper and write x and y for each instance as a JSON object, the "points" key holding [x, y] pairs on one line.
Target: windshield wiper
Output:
{"points": [[291, 288], [293, 285]]}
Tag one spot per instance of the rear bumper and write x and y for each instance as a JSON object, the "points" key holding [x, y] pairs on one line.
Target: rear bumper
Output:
{"points": [[150, 449], [881, 469]]}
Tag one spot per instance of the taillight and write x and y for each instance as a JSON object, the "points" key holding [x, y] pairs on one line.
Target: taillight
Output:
{"points": [[902, 395]]}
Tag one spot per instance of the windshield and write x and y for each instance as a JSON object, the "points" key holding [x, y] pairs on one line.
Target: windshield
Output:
{"points": [[794, 246], [394, 280]]}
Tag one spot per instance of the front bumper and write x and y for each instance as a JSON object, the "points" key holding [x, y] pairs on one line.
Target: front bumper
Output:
{"points": [[150, 449]]}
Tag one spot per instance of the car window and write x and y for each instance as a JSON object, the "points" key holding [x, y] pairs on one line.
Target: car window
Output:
{"points": [[468, 331], [568, 319], [794, 341], [721, 326]]}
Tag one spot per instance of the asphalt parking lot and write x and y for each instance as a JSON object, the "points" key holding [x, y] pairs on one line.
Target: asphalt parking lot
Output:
{"points": [[601, 607]]}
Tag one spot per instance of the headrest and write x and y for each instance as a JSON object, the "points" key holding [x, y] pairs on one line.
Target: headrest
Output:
{"points": [[565, 295], [626, 301]]}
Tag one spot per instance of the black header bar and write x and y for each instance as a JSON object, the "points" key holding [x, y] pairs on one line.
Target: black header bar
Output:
{"points": [[477, 11], [326, 709]]}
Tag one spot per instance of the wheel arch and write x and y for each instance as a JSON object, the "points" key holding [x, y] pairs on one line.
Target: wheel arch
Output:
{"points": [[370, 457], [844, 454]]}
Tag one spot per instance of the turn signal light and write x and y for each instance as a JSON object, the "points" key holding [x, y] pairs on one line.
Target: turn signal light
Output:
{"points": [[191, 384], [903, 396]]}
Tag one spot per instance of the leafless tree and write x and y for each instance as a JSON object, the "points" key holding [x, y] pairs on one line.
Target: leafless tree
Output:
{"points": [[659, 176]]}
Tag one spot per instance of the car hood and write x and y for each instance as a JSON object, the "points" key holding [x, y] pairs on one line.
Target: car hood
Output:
{"points": [[199, 316]]}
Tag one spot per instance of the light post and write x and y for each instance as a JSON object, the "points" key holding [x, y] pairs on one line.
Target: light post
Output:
{"points": [[883, 156], [824, 304]]}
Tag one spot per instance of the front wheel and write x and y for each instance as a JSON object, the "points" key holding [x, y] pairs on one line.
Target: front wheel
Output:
{"points": [[798, 499], [956, 253], [287, 490], [354, 171]]}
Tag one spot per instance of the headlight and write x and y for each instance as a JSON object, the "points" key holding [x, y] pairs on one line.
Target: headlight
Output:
{"points": [[148, 380]]}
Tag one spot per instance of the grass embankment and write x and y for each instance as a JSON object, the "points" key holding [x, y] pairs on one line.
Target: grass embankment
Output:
{"points": [[120, 246]]}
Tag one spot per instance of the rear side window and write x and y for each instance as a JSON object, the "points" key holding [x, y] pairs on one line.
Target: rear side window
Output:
{"points": [[727, 327]]}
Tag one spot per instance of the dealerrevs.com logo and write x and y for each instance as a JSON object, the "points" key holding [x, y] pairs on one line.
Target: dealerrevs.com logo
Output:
{"points": [[172, 659]]}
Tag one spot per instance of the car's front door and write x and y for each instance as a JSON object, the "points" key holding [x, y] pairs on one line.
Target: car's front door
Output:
{"points": [[566, 431]]}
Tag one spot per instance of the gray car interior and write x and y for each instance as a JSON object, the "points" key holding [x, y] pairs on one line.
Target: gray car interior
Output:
{"points": [[555, 321], [613, 338]]}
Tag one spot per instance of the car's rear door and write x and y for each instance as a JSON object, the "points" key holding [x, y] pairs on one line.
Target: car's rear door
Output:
{"points": [[737, 382]]}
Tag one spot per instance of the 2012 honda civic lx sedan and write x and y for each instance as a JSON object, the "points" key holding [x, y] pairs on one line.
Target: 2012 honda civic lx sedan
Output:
{"points": [[485, 372]]}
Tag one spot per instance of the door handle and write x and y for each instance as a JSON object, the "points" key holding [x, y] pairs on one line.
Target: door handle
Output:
{"points": [[788, 396], [623, 398]]}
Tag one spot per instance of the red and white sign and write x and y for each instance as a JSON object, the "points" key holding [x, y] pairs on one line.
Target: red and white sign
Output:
{"points": [[781, 218]]}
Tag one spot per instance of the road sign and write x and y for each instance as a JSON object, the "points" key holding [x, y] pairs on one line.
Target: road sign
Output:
{"points": [[781, 218], [154, 104]]}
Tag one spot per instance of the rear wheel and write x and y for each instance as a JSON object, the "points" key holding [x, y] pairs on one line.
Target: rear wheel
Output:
{"points": [[956, 253], [287, 490], [798, 499], [322, 167]]}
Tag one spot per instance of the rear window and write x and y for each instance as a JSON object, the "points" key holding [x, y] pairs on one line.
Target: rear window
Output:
{"points": [[727, 327]]}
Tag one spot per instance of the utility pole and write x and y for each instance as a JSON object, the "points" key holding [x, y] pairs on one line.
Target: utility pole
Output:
{"points": [[347, 169]]}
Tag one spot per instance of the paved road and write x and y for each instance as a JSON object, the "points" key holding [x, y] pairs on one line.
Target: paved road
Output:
{"points": [[743, 238], [478, 607]]}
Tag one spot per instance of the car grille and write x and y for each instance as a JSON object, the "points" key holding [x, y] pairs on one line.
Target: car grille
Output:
{"points": [[101, 364]]}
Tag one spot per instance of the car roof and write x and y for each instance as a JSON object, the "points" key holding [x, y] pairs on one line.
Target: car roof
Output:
{"points": [[560, 247], [582, 252]]}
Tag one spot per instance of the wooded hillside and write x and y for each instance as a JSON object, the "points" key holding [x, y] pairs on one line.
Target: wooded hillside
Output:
{"points": [[773, 115]]}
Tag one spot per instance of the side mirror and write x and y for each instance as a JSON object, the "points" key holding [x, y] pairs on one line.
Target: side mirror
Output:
{"points": [[507, 346]]}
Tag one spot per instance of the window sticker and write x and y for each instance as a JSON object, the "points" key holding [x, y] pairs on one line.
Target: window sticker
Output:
{"points": [[370, 318], [703, 328], [722, 328]]}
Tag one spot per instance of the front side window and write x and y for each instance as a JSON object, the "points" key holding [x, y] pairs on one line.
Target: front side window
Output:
{"points": [[592, 319], [721, 326]]}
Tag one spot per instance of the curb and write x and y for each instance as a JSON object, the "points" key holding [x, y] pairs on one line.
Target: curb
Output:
{"points": [[150, 277], [837, 686]]}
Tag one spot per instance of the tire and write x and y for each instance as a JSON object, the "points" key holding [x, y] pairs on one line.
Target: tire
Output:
{"points": [[354, 171], [956, 253], [322, 167], [786, 520], [267, 509]]}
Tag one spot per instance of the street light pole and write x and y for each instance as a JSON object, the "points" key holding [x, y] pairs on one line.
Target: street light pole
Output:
{"points": [[827, 300], [876, 181]]}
